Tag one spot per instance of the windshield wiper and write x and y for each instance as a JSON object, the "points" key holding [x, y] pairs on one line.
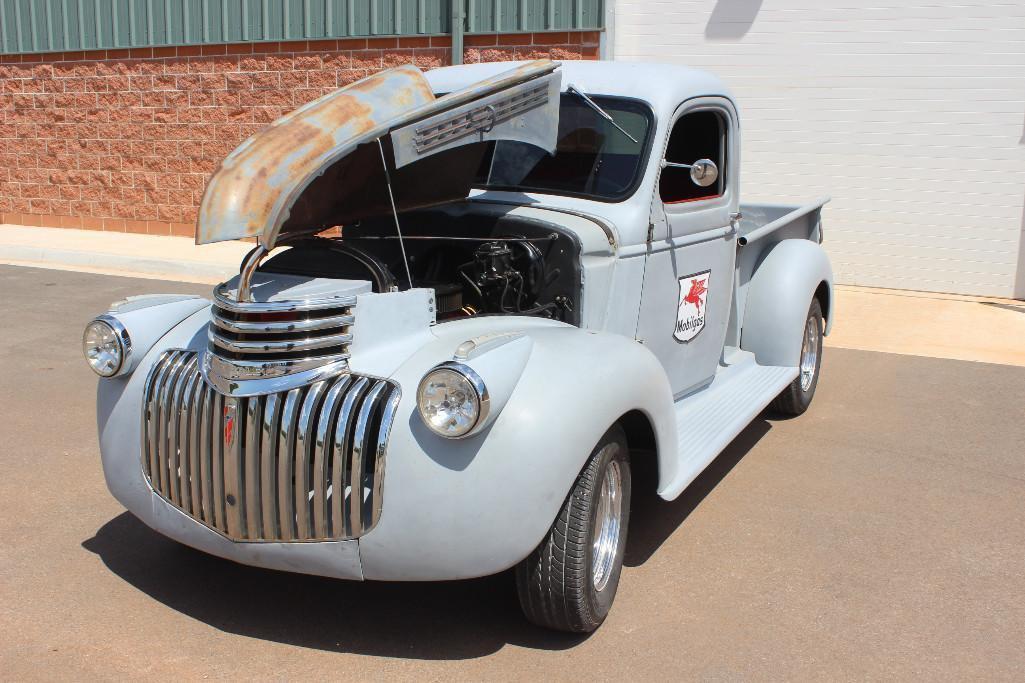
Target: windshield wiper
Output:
{"points": [[601, 112]]}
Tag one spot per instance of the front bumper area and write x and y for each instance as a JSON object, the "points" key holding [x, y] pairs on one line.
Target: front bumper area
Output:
{"points": [[335, 559], [119, 403]]}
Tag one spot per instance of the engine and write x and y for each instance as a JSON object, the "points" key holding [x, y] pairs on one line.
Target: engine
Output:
{"points": [[501, 268]]}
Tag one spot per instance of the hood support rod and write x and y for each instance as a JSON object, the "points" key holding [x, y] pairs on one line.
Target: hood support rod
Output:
{"points": [[395, 213]]}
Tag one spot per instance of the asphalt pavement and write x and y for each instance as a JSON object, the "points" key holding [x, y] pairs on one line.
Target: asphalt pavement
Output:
{"points": [[880, 535]]}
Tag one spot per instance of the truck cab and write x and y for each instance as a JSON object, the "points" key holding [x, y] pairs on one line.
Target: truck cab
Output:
{"points": [[477, 295]]}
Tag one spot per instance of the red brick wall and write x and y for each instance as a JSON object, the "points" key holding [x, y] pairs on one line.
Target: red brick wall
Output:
{"points": [[125, 140]]}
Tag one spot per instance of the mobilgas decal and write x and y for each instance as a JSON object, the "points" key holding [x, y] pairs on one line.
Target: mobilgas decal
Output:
{"points": [[690, 314]]}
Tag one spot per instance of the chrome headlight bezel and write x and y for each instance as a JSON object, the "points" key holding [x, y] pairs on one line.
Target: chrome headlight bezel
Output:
{"points": [[480, 393], [121, 336]]}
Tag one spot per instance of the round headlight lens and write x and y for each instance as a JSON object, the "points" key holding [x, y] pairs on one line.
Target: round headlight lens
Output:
{"points": [[103, 348], [452, 400]]}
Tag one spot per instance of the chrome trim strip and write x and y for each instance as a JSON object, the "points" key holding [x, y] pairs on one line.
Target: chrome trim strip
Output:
{"points": [[307, 344], [311, 325], [222, 300], [251, 377]]}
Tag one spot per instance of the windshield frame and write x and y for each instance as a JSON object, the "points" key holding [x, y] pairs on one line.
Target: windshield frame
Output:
{"points": [[642, 163]]}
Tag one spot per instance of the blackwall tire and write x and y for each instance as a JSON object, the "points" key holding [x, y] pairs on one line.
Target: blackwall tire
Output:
{"points": [[796, 398], [569, 582]]}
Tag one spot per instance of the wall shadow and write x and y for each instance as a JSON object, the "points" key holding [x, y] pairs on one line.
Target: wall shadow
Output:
{"points": [[653, 520], [731, 19]]}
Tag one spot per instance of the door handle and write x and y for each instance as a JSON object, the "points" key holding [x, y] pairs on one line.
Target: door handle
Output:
{"points": [[735, 222]]}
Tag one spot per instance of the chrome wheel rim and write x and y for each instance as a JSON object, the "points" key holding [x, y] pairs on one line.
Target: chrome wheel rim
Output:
{"points": [[606, 524], [809, 353]]}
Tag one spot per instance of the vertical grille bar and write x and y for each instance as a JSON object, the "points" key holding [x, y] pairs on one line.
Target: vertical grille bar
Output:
{"points": [[286, 464], [376, 502], [234, 415], [167, 421], [206, 455], [322, 459], [195, 448], [360, 444], [217, 461], [268, 466], [252, 468], [174, 433], [152, 411], [341, 480], [298, 465], [303, 459], [186, 418]]}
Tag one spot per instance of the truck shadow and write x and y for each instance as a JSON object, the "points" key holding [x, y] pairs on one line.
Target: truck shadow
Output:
{"points": [[430, 621], [653, 520]]}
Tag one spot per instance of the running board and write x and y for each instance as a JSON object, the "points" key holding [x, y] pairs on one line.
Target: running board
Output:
{"points": [[708, 420]]}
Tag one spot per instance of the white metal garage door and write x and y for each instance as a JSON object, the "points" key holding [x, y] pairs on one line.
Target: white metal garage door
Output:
{"points": [[910, 113]]}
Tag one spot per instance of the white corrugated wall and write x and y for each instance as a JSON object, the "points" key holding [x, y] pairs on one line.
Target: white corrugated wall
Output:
{"points": [[910, 113]]}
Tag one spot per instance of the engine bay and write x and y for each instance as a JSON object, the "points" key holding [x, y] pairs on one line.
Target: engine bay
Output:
{"points": [[477, 262]]}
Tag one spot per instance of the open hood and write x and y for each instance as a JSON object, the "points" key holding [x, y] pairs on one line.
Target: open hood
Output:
{"points": [[321, 165]]}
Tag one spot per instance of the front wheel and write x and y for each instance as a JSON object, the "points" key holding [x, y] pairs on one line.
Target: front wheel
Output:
{"points": [[569, 582], [796, 398]]}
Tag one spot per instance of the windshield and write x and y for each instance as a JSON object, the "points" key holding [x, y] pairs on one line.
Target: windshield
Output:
{"points": [[592, 159]]}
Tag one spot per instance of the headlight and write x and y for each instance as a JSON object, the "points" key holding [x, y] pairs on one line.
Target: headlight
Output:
{"points": [[106, 345], [452, 400]]}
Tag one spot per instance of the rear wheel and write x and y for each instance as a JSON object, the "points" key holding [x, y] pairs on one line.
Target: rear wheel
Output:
{"points": [[796, 398], [569, 582]]}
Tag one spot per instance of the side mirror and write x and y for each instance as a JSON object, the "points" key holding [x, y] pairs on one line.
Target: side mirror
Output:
{"points": [[703, 172]]}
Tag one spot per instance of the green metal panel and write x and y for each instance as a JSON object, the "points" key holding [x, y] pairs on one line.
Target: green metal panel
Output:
{"points": [[56, 25]]}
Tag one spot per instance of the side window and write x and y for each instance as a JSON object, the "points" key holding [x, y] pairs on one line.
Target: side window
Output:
{"points": [[699, 135]]}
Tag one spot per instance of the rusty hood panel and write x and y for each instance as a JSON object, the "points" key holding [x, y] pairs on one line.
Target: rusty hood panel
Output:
{"points": [[321, 164]]}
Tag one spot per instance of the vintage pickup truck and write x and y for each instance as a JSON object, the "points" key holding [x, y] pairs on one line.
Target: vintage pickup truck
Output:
{"points": [[535, 277]]}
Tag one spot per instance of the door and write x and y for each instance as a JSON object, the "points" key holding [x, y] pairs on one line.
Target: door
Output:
{"points": [[688, 275]]}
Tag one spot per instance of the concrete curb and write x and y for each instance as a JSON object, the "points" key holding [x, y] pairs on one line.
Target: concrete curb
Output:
{"points": [[124, 254], [67, 259]]}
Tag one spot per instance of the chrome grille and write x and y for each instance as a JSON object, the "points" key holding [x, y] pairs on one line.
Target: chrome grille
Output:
{"points": [[251, 339], [276, 467]]}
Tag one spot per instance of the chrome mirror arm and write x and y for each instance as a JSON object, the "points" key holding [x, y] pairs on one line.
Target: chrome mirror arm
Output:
{"points": [[703, 172]]}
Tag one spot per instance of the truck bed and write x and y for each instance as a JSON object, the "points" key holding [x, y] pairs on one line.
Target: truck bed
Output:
{"points": [[781, 221]]}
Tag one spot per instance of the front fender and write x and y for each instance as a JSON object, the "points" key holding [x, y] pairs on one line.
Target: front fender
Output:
{"points": [[476, 506], [778, 298]]}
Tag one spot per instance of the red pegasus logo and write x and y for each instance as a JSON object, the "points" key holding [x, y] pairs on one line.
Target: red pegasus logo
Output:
{"points": [[697, 290]]}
